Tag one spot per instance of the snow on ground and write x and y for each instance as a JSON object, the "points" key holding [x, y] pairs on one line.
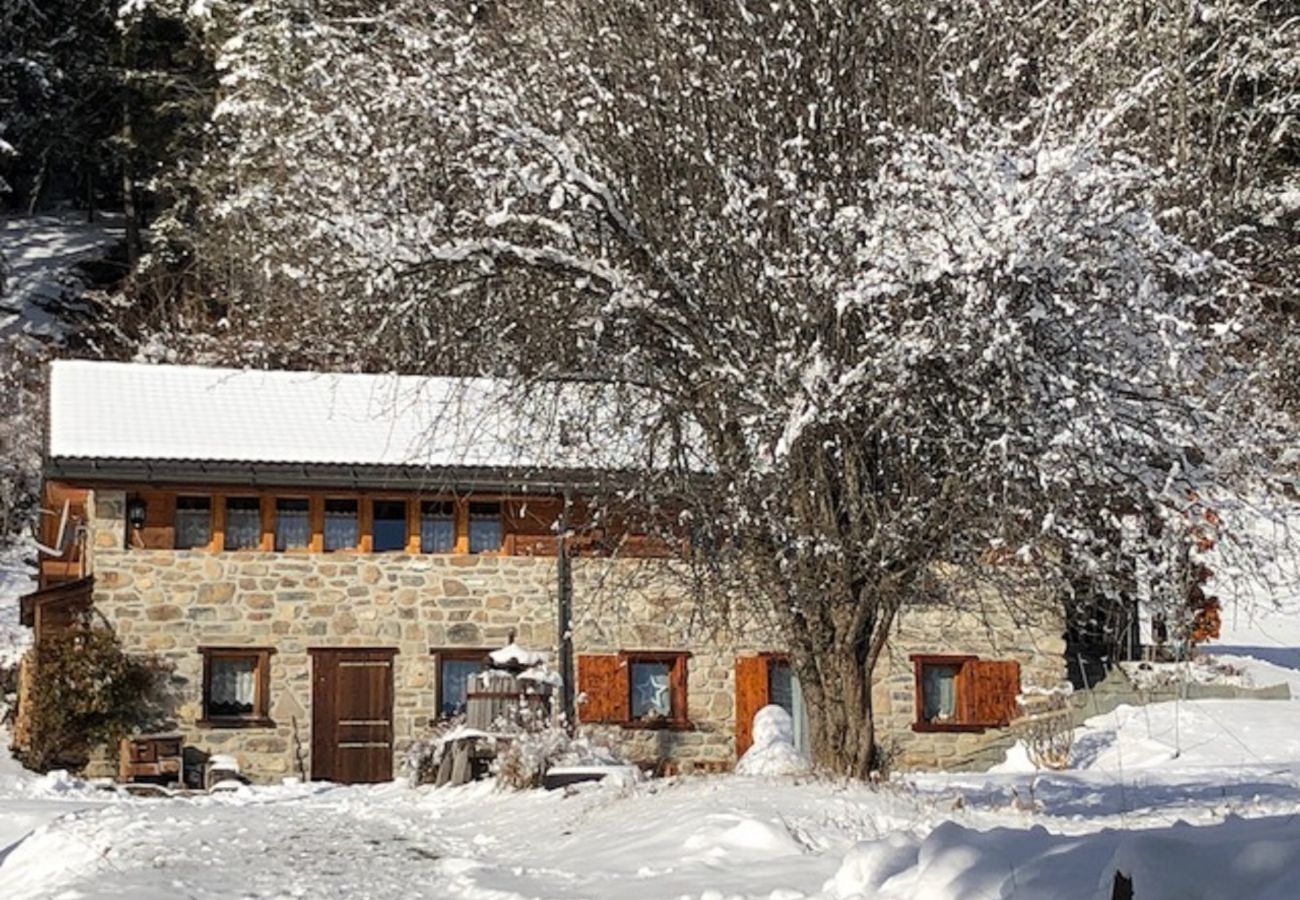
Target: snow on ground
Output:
{"points": [[1220, 819], [42, 253]]}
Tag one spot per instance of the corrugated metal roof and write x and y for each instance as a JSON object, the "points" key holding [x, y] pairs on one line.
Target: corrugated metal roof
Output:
{"points": [[130, 411]]}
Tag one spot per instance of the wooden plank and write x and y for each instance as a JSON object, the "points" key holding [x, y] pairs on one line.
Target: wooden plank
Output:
{"points": [[365, 523], [603, 679], [218, 542], [752, 694], [461, 512], [316, 513], [267, 542], [413, 524], [991, 686]]}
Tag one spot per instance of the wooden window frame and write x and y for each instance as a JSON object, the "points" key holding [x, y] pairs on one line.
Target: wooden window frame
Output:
{"points": [[961, 685], [260, 500], [467, 504], [460, 654], [370, 501], [363, 531], [212, 518], [261, 657], [271, 512], [678, 680], [418, 503]]}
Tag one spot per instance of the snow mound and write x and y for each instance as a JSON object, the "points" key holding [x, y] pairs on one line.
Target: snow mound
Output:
{"points": [[727, 836], [773, 752], [870, 865]]}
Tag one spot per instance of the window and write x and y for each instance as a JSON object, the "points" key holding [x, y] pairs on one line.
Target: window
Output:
{"points": [[388, 526], [243, 523], [235, 686], [292, 524], [484, 527], [652, 696], [437, 526], [964, 693], [193, 522], [641, 689], [455, 667], [340, 525]]}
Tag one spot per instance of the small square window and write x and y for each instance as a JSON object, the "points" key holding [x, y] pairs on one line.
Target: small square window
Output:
{"points": [[388, 526], [437, 526], [455, 668], [193, 522], [484, 527], [340, 524], [292, 523], [243, 523], [235, 686], [939, 693], [965, 693], [656, 689]]}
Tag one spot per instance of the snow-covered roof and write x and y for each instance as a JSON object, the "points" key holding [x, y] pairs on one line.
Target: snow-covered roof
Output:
{"points": [[130, 411]]}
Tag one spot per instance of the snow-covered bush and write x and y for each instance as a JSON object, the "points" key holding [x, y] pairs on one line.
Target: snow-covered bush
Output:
{"points": [[525, 761], [773, 752], [90, 692]]}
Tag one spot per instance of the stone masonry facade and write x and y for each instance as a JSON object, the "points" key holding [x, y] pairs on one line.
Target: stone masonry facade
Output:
{"points": [[171, 603]]}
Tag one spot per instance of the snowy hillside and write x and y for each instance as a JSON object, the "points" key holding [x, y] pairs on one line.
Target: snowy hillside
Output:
{"points": [[42, 254], [16, 578]]}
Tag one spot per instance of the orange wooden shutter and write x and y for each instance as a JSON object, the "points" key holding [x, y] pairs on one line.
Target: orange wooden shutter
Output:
{"points": [[992, 686], [751, 696], [602, 678]]}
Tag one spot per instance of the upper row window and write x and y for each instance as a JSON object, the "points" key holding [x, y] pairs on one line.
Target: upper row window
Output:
{"points": [[292, 527]]}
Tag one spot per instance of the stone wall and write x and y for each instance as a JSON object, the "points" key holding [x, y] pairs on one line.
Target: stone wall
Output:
{"points": [[173, 602], [1029, 630]]}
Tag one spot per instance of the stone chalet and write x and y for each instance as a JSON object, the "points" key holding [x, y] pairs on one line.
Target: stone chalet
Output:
{"points": [[324, 559]]}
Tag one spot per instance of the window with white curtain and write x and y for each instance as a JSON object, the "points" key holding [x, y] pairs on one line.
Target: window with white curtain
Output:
{"points": [[292, 523], [193, 522], [234, 684], [340, 524], [243, 523], [484, 527], [437, 526]]}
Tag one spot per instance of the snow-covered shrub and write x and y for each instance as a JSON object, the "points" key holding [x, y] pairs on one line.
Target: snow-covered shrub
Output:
{"points": [[89, 692], [525, 761], [773, 752], [419, 764]]}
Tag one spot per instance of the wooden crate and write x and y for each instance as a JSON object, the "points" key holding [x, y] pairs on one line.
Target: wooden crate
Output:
{"points": [[154, 758]]}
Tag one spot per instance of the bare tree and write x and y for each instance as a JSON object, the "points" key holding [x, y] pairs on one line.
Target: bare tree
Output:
{"points": [[886, 273]]}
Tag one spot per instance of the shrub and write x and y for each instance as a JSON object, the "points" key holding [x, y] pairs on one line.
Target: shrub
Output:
{"points": [[87, 691], [524, 763]]}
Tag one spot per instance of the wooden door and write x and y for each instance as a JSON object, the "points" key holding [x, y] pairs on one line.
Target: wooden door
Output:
{"points": [[352, 715]]}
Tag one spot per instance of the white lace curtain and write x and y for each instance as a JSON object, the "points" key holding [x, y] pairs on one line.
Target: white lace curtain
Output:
{"points": [[230, 688]]}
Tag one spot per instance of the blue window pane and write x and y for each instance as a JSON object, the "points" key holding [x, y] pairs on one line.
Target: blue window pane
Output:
{"points": [[780, 683], [388, 531], [453, 685], [651, 685], [484, 527]]}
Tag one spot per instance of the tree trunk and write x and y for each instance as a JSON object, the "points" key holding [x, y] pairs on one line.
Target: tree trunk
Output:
{"points": [[837, 688]]}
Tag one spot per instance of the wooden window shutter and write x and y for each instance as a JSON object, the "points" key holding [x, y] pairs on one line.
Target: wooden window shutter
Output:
{"points": [[602, 678], [751, 696], [992, 686]]}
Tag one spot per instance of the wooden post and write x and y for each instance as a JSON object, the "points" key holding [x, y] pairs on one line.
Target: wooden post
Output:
{"points": [[564, 588]]}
